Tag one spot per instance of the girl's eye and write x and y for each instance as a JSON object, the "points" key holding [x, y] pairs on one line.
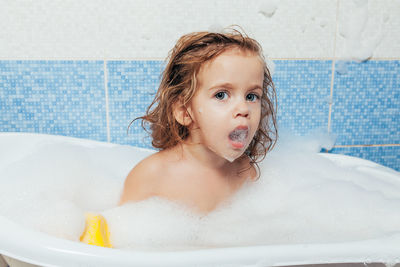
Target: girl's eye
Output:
{"points": [[252, 97], [221, 95]]}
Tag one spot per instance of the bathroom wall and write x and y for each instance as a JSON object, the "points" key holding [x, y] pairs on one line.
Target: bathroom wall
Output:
{"points": [[87, 68]]}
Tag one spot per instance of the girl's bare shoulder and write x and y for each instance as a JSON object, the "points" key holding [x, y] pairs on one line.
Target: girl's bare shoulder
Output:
{"points": [[143, 181]]}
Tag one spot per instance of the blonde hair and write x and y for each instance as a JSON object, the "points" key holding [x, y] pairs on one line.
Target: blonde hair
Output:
{"points": [[179, 83]]}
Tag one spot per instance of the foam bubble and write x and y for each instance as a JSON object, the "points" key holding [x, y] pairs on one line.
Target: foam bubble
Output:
{"points": [[268, 9], [153, 224], [239, 135], [51, 188], [353, 27]]}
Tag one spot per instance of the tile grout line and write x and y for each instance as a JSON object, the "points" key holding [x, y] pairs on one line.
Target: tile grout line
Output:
{"points": [[381, 145], [106, 94], [91, 59], [162, 59], [333, 69]]}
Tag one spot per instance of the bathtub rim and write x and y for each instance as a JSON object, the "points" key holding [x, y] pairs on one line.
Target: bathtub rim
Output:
{"points": [[90, 142], [76, 140]]}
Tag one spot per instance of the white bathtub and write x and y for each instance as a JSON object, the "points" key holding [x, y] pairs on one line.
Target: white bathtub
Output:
{"points": [[42, 249]]}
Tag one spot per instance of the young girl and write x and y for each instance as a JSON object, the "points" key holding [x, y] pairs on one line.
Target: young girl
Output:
{"points": [[213, 118]]}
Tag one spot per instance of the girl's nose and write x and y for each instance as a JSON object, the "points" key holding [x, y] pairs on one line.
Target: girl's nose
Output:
{"points": [[242, 109]]}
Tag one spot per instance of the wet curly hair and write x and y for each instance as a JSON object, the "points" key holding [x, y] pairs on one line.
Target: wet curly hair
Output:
{"points": [[179, 83]]}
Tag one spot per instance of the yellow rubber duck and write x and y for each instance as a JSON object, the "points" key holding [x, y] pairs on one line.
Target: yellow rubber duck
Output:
{"points": [[96, 231]]}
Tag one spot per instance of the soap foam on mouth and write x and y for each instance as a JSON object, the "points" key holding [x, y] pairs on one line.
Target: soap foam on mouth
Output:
{"points": [[239, 135]]}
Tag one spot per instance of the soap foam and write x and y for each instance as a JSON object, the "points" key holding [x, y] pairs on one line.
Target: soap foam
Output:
{"points": [[238, 135], [268, 9], [355, 28], [50, 189], [301, 197]]}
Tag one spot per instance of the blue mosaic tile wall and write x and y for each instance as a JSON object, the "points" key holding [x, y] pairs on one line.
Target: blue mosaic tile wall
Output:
{"points": [[366, 101], [132, 86], [69, 98], [53, 97], [303, 90]]}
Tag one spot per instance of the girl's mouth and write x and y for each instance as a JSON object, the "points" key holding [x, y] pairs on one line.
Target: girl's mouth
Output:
{"points": [[239, 136]]}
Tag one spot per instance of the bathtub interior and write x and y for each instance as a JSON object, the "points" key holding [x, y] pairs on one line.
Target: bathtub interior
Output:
{"points": [[34, 247]]}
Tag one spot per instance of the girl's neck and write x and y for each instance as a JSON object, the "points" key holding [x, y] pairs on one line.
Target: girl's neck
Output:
{"points": [[233, 173]]}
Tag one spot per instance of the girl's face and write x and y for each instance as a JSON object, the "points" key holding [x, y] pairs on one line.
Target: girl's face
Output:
{"points": [[226, 108]]}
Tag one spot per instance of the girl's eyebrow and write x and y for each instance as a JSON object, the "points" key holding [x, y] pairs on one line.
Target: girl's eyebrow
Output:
{"points": [[225, 85], [255, 87], [230, 86]]}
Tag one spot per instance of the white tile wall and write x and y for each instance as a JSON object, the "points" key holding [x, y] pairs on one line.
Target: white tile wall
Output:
{"points": [[143, 29], [368, 29]]}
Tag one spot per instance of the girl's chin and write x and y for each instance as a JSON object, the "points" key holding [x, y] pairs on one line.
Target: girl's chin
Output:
{"points": [[233, 154], [230, 150]]}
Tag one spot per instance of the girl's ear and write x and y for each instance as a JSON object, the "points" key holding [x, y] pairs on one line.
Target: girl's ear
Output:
{"points": [[181, 114]]}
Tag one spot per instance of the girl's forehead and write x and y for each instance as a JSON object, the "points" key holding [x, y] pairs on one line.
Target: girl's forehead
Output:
{"points": [[231, 53], [231, 60]]}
